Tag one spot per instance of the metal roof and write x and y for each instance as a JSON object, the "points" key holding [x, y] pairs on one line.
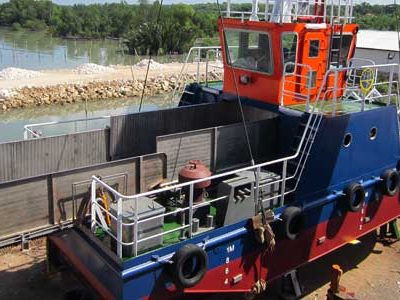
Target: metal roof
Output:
{"points": [[378, 40]]}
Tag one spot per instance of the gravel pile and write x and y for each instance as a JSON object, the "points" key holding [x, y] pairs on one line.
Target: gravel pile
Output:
{"points": [[6, 94], [88, 69], [144, 62], [15, 73]]}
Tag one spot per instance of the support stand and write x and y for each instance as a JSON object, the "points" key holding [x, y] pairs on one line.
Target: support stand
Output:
{"points": [[291, 288], [389, 233]]}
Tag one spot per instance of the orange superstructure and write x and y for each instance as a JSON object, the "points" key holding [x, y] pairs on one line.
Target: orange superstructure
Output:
{"points": [[283, 63]]}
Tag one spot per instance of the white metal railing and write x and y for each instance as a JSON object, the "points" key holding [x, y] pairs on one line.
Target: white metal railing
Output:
{"points": [[294, 76], [287, 11], [335, 90], [34, 131], [201, 57]]}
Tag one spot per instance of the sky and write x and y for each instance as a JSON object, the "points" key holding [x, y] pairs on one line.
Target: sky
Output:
{"points": [[190, 1]]}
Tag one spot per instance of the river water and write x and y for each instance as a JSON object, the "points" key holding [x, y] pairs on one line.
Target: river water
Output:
{"points": [[38, 51], [12, 122]]}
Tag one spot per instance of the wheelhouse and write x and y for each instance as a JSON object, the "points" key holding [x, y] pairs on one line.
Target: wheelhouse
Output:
{"points": [[284, 61]]}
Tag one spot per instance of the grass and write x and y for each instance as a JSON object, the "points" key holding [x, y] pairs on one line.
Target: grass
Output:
{"points": [[341, 108]]}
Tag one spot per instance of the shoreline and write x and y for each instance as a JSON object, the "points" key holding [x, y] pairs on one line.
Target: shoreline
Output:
{"points": [[67, 86]]}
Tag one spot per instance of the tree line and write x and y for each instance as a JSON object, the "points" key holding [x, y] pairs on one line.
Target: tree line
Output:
{"points": [[176, 30]]}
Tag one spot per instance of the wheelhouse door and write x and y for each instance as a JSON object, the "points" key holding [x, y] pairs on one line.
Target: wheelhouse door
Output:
{"points": [[314, 59]]}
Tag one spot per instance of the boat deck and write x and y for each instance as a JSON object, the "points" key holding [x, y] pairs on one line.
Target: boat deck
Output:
{"points": [[341, 108]]}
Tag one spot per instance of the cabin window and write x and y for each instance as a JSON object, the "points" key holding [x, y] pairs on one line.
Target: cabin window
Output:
{"points": [[344, 49], [289, 50], [314, 48], [249, 50]]}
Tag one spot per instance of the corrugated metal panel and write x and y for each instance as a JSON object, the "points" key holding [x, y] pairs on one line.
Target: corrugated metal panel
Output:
{"points": [[182, 147], [232, 149], [63, 185], [220, 148], [41, 156], [153, 170], [7, 159], [45, 200], [24, 206], [135, 134]]}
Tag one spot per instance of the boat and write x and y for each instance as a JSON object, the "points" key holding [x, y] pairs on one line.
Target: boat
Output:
{"points": [[320, 170]]}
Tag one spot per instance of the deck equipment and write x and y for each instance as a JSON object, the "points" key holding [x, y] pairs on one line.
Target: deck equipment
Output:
{"points": [[318, 169]]}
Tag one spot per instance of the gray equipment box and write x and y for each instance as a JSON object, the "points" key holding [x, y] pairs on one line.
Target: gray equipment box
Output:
{"points": [[241, 203], [147, 208]]}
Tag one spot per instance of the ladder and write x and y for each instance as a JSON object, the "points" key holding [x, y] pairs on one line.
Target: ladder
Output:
{"points": [[309, 124], [336, 45]]}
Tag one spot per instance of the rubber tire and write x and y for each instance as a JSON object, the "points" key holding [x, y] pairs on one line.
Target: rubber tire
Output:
{"points": [[355, 197], [292, 214], [388, 177], [179, 259]]}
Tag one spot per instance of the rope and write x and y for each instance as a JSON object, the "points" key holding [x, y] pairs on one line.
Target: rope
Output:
{"points": [[148, 64], [259, 201], [237, 91]]}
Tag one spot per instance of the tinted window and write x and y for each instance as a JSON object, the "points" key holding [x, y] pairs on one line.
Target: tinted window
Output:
{"points": [[289, 50], [314, 48], [249, 50]]}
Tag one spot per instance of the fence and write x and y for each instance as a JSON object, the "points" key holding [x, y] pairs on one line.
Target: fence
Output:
{"points": [[220, 148], [41, 156], [136, 134], [36, 206]]}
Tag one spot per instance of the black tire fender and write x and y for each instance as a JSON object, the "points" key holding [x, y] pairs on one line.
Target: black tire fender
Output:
{"points": [[390, 182], [355, 196], [189, 265], [293, 222]]}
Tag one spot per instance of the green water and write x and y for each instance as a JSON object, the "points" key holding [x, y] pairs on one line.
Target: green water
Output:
{"points": [[39, 50], [12, 122]]}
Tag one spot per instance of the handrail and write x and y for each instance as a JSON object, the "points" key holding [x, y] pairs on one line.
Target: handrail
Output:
{"points": [[28, 128], [180, 86], [283, 11]]}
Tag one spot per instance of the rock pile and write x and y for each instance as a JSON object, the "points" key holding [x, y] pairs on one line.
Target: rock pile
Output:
{"points": [[16, 73], [95, 90], [144, 62], [90, 68]]}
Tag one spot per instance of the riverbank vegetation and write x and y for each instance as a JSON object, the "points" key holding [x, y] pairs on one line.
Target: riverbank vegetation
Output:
{"points": [[178, 27]]}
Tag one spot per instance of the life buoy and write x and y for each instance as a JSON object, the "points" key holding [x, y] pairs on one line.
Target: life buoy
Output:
{"points": [[390, 182], [355, 196], [189, 265], [293, 222]]}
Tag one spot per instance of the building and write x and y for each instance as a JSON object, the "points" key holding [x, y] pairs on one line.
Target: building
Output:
{"points": [[380, 46]]}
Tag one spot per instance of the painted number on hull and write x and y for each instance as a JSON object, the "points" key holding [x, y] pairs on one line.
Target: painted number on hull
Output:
{"points": [[229, 250]]}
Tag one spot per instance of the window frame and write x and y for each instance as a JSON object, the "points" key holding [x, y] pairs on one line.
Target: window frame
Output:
{"points": [[319, 49], [228, 58], [297, 48]]}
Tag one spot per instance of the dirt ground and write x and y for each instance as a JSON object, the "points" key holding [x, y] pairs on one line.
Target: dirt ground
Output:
{"points": [[372, 271], [67, 76]]}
